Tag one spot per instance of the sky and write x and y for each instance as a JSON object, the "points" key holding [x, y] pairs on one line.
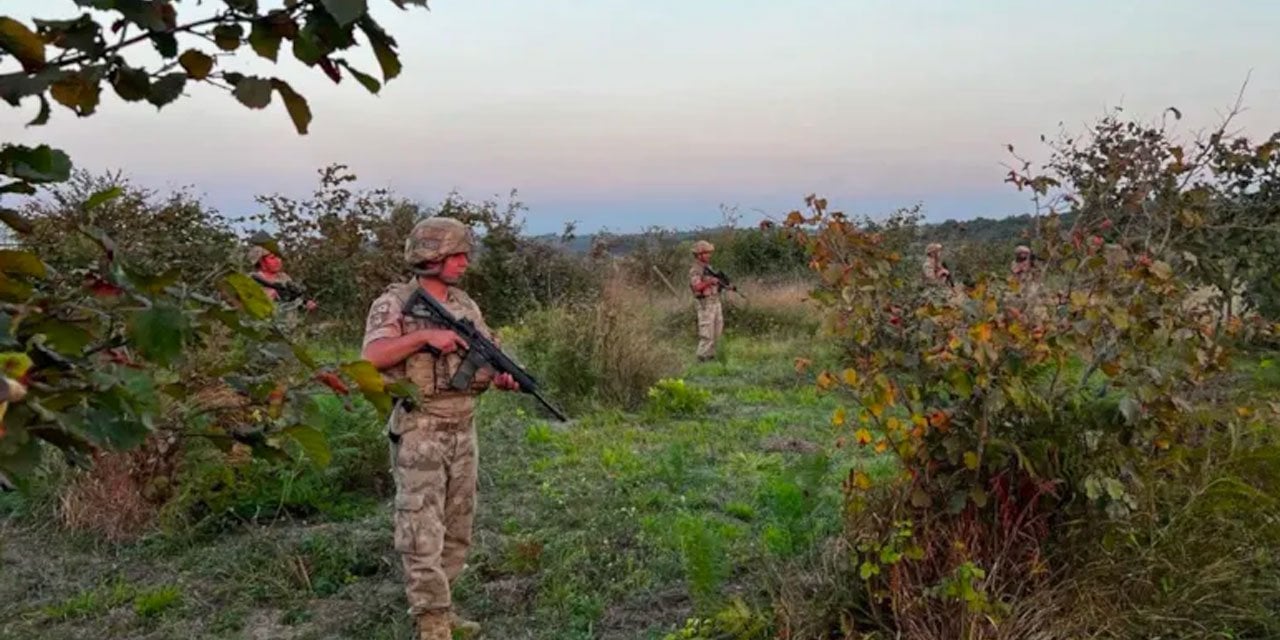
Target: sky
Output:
{"points": [[626, 114]]}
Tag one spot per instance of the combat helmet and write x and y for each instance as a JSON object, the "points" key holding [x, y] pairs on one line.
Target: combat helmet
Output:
{"points": [[702, 246], [434, 239], [256, 254]]}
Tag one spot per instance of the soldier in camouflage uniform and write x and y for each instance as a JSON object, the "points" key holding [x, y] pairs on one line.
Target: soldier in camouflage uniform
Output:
{"points": [[433, 444], [935, 272], [268, 269], [706, 290]]}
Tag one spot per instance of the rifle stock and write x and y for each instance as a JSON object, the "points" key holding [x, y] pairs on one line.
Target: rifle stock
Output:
{"points": [[481, 351]]}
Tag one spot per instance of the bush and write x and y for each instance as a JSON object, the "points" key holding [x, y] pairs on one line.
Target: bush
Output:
{"points": [[1040, 430], [604, 352], [670, 397]]}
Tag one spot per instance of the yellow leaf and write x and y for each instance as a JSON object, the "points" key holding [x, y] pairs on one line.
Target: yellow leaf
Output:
{"points": [[837, 418], [826, 381], [882, 446], [863, 436], [892, 424], [877, 409], [918, 420], [850, 377], [1079, 299], [981, 333], [1162, 443], [802, 364], [971, 460], [861, 480], [1244, 412], [22, 42]]}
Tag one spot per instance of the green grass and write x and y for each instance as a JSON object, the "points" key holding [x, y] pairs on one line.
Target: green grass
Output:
{"points": [[617, 525]]}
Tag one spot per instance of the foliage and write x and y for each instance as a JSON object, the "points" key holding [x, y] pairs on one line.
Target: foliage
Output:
{"points": [[605, 351], [160, 233], [344, 245], [1209, 205], [674, 397], [95, 347], [515, 275], [1009, 408]]}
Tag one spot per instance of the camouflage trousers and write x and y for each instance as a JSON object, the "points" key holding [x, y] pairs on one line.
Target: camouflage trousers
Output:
{"points": [[710, 326], [434, 465]]}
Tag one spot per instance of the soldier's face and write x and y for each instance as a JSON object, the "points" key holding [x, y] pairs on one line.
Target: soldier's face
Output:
{"points": [[704, 257], [271, 263], [454, 267]]}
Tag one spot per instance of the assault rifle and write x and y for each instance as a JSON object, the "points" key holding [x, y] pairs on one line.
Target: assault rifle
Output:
{"points": [[722, 279], [286, 291], [481, 351]]}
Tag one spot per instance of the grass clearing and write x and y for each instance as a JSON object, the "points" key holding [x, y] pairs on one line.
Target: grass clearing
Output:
{"points": [[617, 525]]}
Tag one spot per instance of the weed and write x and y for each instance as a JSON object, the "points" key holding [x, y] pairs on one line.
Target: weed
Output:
{"points": [[675, 397], [150, 603]]}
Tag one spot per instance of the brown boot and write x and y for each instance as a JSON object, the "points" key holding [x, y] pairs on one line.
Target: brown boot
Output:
{"points": [[434, 625], [463, 629]]}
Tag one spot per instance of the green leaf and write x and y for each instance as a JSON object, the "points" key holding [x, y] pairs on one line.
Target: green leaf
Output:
{"points": [[300, 352], [15, 221], [78, 91], [371, 384], [383, 48], [64, 337], [159, 333], [246, 6], [250, 294], [81, 34], [39, 164], [867, 570], [18, 85], [299, 110], [227, 36], [253, 92], [13, 290], [370, 83], [22, 262], [365, 375], [345, 12], [20, 460], [42, 116], [166, 44], [22, 43], [306, 49], [196, 64], [313, 443], [167, 89], [264, 40], [153, 284], [102, 197], [132, 85]]}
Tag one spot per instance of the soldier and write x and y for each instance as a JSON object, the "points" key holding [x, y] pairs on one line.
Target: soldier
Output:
{"points": [[1024, 265], [706, 289], [433, 444], [268, 271], [935, 271]]}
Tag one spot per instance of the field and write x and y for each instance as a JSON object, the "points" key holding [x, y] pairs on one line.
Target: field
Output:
{"points": [[617, 525]]}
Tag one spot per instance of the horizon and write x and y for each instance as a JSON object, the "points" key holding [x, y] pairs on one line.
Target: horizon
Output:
{"points": [[623, 116]]}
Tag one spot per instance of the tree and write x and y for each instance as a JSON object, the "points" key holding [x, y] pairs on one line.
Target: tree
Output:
{"points": [[91, 357]]}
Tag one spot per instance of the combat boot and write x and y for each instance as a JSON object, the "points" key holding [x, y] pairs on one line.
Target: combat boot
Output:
{"points": [[434, 625], [463, 629]]}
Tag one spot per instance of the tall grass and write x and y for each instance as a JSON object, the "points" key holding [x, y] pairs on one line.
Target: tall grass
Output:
{"points": [[604, 351]]}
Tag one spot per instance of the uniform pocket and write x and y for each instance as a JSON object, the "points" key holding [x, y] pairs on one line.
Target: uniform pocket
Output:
{"points": [[408, 517]]}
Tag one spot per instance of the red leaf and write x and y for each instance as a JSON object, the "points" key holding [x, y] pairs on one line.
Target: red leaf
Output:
{"points": [[331, 380], [331, 70]]}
